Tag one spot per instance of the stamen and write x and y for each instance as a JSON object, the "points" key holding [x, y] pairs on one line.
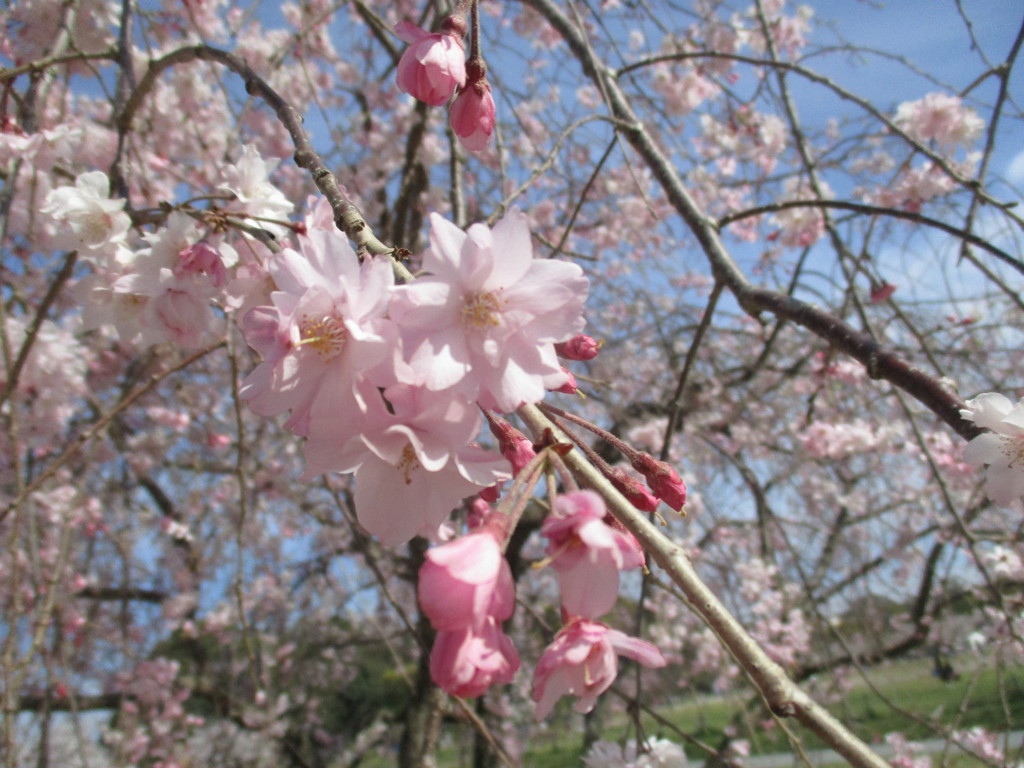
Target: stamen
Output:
{"points": [[481, 310], [408, 463], [326, 335], [1013, 449]]}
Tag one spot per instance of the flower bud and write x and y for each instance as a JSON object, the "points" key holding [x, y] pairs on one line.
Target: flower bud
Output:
{"points": [[579, 347]]}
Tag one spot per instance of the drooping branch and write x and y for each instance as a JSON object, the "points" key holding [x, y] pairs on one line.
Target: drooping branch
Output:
{"points": [[879, 362], [846, 95], [877, 210], [347, 216], [782, 695], [99, 425]]}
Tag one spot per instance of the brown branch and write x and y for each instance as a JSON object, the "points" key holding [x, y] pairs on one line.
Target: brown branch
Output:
{"points": [[33, 330], [98, 426], [876, 210], [55, 703], [115, 594], [347, 216], [880, 363], [782, 696]]}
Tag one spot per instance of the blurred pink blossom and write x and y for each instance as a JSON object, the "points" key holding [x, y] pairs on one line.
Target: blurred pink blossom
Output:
{"points": [[465, 581], [582, 661], [587, 553], [466, 662]]}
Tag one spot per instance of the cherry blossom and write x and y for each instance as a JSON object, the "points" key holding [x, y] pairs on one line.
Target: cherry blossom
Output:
{"points": [[940, 117], [486, 317], [262, 204], [464, 581], [656, 753], [466, 590], [587, 553], [94, 222], [1001, 449], [433, 65], [466, 662], [473, 113], [324, 331], [582, 661]]}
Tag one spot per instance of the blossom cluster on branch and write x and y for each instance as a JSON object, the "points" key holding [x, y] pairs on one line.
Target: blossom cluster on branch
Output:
{"points": [[246, 495]]}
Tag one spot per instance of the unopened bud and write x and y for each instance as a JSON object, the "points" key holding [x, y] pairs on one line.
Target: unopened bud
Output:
{"points": [[664, 481], [638, 496], [579, 347]]}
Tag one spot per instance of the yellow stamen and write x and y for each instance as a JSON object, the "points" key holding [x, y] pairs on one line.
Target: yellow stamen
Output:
{"points": [[326, 335], [481, 310]]}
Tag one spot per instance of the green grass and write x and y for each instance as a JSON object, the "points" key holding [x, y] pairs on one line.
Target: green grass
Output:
{"points": [[976, 698], [906, 697]]}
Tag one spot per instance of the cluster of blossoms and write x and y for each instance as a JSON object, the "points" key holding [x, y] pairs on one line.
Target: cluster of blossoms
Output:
{"points": [[940, 118], [166, 291], [387, 382], [466, 590], [384, 380], [434, 67]]}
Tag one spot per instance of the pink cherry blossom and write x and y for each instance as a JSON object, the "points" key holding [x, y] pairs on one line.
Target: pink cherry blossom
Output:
{"points": [[466, 662], [940, 117], [1002, 448], [202, 259], [465, 581], [413, 458], [324, 334], [433, 65], [582, 661], [487, 316], [472, 114], [262, 204], [587, 553]]}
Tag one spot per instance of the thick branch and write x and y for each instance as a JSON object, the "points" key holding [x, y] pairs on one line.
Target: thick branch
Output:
{"points": [[879, 362], [782, 696]]}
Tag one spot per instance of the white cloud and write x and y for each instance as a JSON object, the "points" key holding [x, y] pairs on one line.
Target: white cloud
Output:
{"points": [[1015, 169]]}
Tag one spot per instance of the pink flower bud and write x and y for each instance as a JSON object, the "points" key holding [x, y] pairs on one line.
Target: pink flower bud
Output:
{"points": [[664, 481], [881, 292], [628, 486], [570, 387], [579, 347], [433, 65], [472, 114], [514, 445], [480, 509]]}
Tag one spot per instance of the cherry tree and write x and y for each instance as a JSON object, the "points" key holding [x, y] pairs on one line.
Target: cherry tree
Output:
{"points": [[383, 379]]}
